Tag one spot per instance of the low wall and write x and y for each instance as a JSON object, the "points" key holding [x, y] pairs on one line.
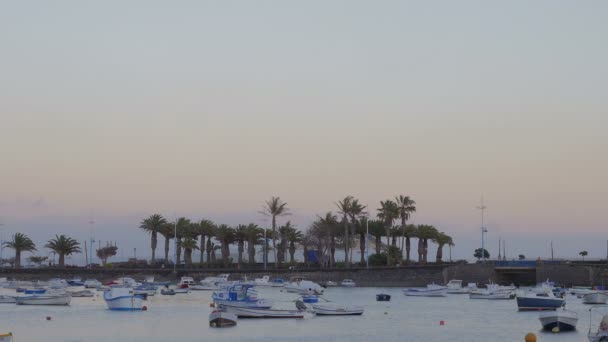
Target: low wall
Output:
{"points": [[570, 274]]}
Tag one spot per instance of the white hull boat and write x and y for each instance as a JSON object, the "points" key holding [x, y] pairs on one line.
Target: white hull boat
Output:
{"points": [[83, 293], [491, 295], [240, 295], [7, 299], [348, 283], [204, 288], [559, 320], [455, 287], [330, 309], [92, 284], [53, 299], [429, 291], [123, 298], [595, 298], [242, 312], [303, 287]]}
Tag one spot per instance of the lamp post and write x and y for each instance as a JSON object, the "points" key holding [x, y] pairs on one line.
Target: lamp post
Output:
{"points": [[265, 256], [175, 245], [482, 208]]}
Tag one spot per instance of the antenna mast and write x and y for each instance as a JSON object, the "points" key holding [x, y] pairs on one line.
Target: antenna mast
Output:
{"points": [[482, 208]]}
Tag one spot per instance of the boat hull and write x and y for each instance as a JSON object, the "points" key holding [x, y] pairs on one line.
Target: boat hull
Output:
{"points": [[595, 298], [7, 300], [133, 303], [219, 319], [326, 310], [492, 296], [241, 312], [538, 303], [44, 300], [383, 297], [425, 292], [564, 322]]}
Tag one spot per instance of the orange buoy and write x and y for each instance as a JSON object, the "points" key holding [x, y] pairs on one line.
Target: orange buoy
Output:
{"points": [[530, 337]]}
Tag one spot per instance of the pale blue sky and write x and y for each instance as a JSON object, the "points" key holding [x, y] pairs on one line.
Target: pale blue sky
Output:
{"points": [[120, 109]]}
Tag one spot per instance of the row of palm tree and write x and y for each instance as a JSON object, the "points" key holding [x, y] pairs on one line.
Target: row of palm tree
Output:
{"points": [[325, 235], [61, 245]]}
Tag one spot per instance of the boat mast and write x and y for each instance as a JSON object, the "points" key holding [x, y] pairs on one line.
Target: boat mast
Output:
{"points": [[482, 208]]}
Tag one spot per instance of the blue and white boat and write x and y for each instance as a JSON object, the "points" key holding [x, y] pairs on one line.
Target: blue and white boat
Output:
{"points": [[310, 299], [34, 291], [539, 301], [76, 282], [123, 298], [240, 295]]}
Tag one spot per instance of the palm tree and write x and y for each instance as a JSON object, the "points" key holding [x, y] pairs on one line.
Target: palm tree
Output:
{"points": [[376, 229], [388, 212], [345, 209], [275, 208], [205, 229], [153, 225], [254, 236], [167, 230], [409, 232], [282, 248], [225, 235], [442, 239], [583, 254], [189, 245], [357, 211], [20, 243], [240, 236], [407, 207], [293, 236], [330, 225], [63, 245], [424, 233], [184, 229]]}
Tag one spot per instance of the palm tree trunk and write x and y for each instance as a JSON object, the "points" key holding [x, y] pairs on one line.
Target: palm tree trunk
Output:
{"points": [[362, 247], [209, 250], [274, 241], [178, 251], [407, 249], [439, 254], [202, 248], [332, 251], [167, 240], [61, 260], [378, 244], [188, 257], [17, 258], [420, 250], [154, 242], [346, 240], [426, 249], [251, 252], [292, 252], [241, 249]]}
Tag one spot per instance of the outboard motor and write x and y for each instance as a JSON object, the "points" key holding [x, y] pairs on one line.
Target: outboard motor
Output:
{"points": [[300, 305]]}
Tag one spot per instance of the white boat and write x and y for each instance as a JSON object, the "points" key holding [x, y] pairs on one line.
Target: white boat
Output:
{"points": [[92, 284], [221, 319], [46, 299], [126, 281], [430, 290], [6, 337], [455, 287], [598, 324], [83, 293], [301, 286], [7, 299], [186, 281], [348, 283], [240, 295], [595, 298], [539, 301], [57, 283], [244, 312], [264, 281], [123, 298], [330, 283], [333, 309], [486, 294], [212, 283], [558, 320]]}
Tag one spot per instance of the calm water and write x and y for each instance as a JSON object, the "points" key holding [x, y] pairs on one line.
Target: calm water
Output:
{"points": [[184, 318]]}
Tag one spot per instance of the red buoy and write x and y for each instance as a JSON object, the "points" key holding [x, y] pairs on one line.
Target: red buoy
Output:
{"points": [[441, 323], [144, 308]]}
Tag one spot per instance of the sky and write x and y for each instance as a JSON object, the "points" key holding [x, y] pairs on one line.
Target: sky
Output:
{"points": [[112, 111]]}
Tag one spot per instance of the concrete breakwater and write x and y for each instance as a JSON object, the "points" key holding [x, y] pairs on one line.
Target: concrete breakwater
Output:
{"points": [[415, 275]]}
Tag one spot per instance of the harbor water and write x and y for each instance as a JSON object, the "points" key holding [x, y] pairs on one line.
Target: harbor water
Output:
{"points": [[184, 317]]}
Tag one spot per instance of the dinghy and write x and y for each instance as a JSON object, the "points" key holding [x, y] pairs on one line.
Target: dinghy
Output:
{"points": [[123, 298], [244, 312], [559, 320], [430, 290], [50, 299], [334, 309], [220, 319], [595, 298]]}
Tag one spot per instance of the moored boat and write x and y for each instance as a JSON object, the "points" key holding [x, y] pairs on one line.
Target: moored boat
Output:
{"points": [[221, 319], [334, 309], [310, 299], [486, 294], [598, 324], [539, 301], [240, 295], [454, 286], [123, 298], [430, 290], [595, 298], [559, 320], [45, 299], [7, 299], [382, 297], [92, 283], [248, 312], [348, 283], [303, 286], [83, 293], [6, 337]]}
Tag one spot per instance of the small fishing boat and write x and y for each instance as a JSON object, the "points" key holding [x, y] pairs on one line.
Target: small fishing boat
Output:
{"points": [[559, 320], [45, 299], [244, 312], [485, 294], [83, 293], [595, 298], [334, 309], [167, 292], [264, 281], [303, 286], [539, 301], [240, 295], [92, 283], [220, 319], [7, 299], [75, 282], [382, 297], [6, 337], [186, 281], [180, 288], [330, 283], [348, 283], [123, 298], [430, 290], [278, 282], [455, 287], [57, 283], [145, 289], [212, 283]]}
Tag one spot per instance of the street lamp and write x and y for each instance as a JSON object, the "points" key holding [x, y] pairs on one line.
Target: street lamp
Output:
{"points": [[482, 208]]}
